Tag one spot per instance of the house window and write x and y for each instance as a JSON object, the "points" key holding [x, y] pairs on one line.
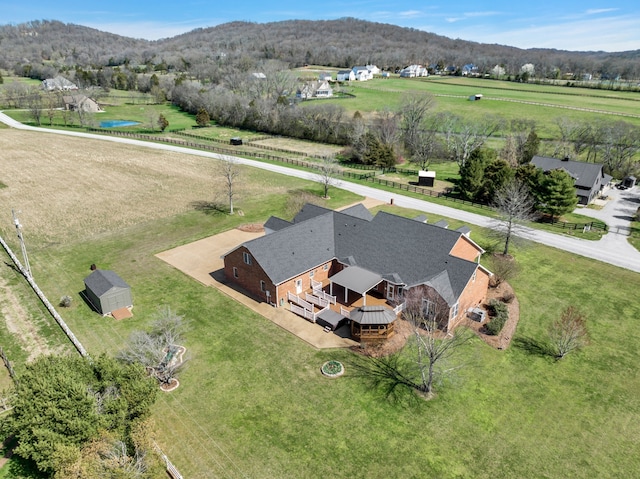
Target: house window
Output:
{"points": [[326, 267], [311, 273], [235, 272], [454, 311], [429, 308], [246, 257], [263, 286]]}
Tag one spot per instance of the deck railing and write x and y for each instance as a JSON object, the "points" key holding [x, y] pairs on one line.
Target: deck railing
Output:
{"points": [[345, 312], [400, 308], [294, 298], [321, 302]]}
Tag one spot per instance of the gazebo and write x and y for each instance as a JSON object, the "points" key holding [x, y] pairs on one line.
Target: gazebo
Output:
{"points": [[372, 323]]}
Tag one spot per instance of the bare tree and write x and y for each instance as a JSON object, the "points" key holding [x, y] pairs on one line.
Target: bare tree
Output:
{"points": [[429, 351], [568, 333], [154, 349], [413, 111], [426, 145], [229, 170], [328, 170], [463, 136], [385, 127], [514, 203]]}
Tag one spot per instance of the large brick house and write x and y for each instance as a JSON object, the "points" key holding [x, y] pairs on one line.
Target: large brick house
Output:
{"points": [[334, 267]]}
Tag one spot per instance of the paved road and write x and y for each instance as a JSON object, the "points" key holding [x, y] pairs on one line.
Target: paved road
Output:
{"points": [[613, 248]]}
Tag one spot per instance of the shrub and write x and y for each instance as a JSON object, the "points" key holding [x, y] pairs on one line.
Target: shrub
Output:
{"points": [[499, 314], [508, 297], [65, 301]]}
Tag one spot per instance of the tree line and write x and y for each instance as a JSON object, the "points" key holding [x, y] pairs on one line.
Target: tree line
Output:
{"points": [[41, 49]]}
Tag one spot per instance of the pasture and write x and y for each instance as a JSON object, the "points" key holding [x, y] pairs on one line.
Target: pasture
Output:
{"points": [[252, 402], [542, 104]]}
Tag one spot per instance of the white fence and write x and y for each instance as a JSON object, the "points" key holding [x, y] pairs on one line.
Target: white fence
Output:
{"points": [[294, 298], [345, 312]]}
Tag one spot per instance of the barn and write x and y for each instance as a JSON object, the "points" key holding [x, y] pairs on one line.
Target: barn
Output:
{"points": [[107, 292]]}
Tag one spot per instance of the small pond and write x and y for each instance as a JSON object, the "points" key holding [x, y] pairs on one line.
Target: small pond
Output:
{"points": [[117, 123]]}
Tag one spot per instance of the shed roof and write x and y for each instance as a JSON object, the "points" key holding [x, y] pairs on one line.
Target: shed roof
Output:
{"points": [[102, 280]]}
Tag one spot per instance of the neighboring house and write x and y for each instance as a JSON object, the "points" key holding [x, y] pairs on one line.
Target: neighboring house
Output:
{"points": [[589, 178], [325, 77], [373, 69], [58, 83], [315, 89], [413, 71], [81, 103], [469, 70], [346, 75], [107, 292], [362, 73], [327, 266]]}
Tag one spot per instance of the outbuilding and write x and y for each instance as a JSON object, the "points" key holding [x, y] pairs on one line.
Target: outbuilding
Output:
{"points": [[426, 178], [107, 292]]}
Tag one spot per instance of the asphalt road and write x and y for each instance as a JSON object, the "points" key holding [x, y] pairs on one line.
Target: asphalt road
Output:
{"points": [[613, 248]]}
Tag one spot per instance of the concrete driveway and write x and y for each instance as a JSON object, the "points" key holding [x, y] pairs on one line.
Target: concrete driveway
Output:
{"points": [[617, 213]]}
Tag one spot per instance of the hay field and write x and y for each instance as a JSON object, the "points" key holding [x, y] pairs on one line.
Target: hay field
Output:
{"points": [[73, 188]]}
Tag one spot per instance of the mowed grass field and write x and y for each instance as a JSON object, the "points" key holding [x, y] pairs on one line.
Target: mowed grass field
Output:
{"points": [[252, 402], [542, 104]]}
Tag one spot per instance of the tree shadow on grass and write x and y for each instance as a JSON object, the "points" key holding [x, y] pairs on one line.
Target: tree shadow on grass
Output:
{"points": [[209, 207], [532, 346]]}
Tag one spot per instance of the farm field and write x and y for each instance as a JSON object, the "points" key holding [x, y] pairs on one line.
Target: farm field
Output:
{"points": [[540, 103], [252, 402]]}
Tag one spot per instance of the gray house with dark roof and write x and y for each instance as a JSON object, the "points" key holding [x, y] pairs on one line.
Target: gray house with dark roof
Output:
{"points": [[343, 260], [589, 178]]}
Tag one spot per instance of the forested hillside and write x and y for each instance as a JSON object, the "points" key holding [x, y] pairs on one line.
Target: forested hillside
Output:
{"points": [[41, 48]]}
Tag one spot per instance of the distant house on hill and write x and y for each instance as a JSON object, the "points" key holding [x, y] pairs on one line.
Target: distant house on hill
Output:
{"points": [[346, 75], [362, 73], [413, 71], [58, 83], [325, 76], [81, 103], [315, 89], [589, 178]]}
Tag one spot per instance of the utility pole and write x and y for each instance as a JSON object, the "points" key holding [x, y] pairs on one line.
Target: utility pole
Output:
{"points": [[27, 267]]}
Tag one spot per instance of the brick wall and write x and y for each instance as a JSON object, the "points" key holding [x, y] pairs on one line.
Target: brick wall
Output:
{"points": [[248, 275], [319, 274], [475, 292], [465, 249]]}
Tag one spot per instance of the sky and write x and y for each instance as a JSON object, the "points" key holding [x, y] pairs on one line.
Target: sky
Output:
{"points": [[589, 25]]}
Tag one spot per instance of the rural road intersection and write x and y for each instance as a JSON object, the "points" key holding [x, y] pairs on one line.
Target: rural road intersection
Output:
{"points": [[613, 248]]}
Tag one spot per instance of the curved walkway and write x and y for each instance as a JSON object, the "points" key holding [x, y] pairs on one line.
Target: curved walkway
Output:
{"points": [[613, 248]]}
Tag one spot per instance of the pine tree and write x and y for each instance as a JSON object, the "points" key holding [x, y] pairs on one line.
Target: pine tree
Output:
{"points": [[557, 193], [203, 118]]}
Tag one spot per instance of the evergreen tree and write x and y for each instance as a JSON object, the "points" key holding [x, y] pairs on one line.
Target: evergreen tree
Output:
{"points": [[163, 123], [496, 175], [472, 173], [63, 402], [202, 118], [530, 148], [557, 193]]}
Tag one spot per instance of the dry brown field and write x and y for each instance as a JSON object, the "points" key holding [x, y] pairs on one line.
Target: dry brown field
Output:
{"points": [[68, 188], [304, 147]]}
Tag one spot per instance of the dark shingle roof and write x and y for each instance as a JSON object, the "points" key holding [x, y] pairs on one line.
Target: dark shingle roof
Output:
{"points": [[276, 224], [102, 280], [358, 211], [586, 175], [398, 249]]}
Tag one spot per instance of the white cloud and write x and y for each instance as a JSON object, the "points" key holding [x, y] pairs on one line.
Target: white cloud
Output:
{"points": [[411, 13], [611, 34], [596, 11]]}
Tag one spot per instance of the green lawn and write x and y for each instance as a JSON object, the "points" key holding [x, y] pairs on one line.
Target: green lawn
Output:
{"points": [[540, 103], [252, 402]]}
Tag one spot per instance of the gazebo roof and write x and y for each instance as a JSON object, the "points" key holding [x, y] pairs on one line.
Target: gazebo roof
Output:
{"points": [[372, 315]]}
